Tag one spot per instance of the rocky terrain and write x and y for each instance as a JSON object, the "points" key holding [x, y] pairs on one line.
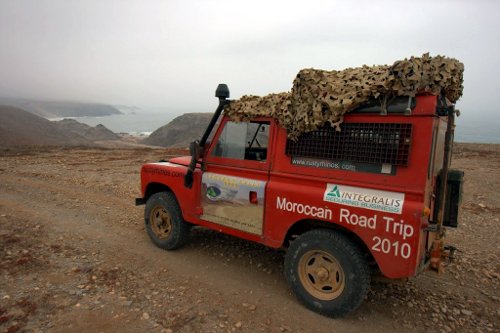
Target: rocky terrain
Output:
{"points": [[181, 131], [75, 257], [97, 133], [19, 127]]}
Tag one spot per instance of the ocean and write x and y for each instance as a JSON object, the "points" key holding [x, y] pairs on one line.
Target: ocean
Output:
{"points": [[485, 130], [139, 123], [143, 123]]}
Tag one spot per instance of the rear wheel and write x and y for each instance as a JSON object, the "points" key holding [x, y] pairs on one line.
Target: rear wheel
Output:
{"points": [[327, 272], [164, 223]]}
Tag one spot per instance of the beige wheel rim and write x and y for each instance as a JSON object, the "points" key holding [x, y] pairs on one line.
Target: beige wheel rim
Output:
{"points": [[161, 222], [321, 275]]}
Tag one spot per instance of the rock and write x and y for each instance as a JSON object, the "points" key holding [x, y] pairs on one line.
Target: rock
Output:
{"points": [[180, 131], [145, 316], [238, 324], [467, 312]]}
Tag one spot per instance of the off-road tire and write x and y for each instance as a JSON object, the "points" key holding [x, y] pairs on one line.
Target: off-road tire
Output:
{"points": [[170, 231], [306, 254]]}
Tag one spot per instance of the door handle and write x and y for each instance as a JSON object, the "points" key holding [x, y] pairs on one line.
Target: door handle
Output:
{"points": [[252, 197]]}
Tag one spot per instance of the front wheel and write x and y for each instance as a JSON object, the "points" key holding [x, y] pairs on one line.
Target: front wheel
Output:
{"points": [[327, 272], [164, 223]]}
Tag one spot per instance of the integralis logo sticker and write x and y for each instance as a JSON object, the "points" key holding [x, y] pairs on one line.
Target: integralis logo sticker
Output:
{"points": [[384, 201], [334, 192]]}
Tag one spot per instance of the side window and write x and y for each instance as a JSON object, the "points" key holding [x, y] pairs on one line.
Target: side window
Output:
{"points": [[243, 141]]}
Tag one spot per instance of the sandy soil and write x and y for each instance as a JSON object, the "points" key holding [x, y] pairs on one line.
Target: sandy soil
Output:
{"points": [[75, 257]]}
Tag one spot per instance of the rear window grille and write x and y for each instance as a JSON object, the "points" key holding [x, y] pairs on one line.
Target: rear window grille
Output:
{"points": [[357, 142]]}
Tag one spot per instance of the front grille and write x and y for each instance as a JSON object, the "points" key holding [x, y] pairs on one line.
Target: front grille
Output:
{"points": [[357, 142]]}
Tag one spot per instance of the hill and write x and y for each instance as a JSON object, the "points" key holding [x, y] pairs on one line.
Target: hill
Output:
{"points": [[180, 131], [57, 109], [97, 133], [19, 127]]}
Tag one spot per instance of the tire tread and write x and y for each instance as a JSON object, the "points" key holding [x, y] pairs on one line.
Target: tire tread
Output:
{"points": [[180, 228], [356, 293]]}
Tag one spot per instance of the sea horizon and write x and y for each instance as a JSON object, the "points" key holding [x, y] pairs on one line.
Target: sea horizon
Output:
{"points": [[144, 123]]}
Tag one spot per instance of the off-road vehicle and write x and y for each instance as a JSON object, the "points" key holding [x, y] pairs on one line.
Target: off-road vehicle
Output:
{"points": [[372, 198]]}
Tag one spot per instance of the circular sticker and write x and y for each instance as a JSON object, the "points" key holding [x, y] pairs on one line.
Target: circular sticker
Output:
{"points": [[213, 193]]}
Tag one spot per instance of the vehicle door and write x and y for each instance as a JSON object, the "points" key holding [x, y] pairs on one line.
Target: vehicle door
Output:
{"points": [[235, 175]]}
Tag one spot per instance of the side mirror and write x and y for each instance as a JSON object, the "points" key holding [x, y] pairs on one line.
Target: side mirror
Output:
{"points": [[195, 149]]}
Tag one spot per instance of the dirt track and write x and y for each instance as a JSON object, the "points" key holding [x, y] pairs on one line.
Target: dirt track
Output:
{"points": [[75, 257]]}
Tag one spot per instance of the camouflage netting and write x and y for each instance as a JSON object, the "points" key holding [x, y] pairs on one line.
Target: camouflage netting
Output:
{"points": [[320, 96], [272, 105]]}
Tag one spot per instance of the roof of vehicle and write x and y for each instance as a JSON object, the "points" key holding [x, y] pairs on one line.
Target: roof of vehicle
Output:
{"points": [[320, 96]]}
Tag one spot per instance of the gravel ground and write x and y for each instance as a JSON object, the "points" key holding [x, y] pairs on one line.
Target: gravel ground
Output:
{"points": [[75, 257]]}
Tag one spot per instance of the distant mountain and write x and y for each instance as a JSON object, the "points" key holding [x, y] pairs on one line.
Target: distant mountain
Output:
{"points": [[127, 109], [19, 127], [180, 131], [58, 109]]}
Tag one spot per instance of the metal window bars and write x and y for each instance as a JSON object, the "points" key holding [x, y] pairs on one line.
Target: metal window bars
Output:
{"points": [[377, 143]]}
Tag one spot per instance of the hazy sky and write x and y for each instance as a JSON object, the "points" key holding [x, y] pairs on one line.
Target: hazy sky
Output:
{"points": [[173, 53]]}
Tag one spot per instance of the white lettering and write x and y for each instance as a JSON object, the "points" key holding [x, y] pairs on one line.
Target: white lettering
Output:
{"points": [[344, 215], [398, 228], [296, 207], [396, 248], [280, 204], [365, 222]]}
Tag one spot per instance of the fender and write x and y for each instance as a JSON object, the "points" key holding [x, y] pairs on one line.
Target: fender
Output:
{"points": [[170, 175]]}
